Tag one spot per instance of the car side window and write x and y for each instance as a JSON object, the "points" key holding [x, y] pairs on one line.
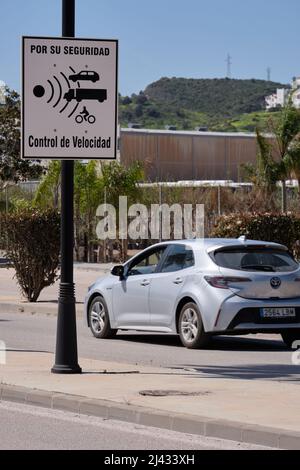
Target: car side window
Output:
{"points": [[146, 264], [180, 257]]}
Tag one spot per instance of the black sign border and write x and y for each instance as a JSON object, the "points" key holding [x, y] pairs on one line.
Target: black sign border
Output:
{"points": [[115, 41]]}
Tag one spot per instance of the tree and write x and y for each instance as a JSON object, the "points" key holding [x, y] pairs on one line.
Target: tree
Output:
{"points": [[12, 167], [269, 171], [285, 129], [32, 244], [88, 194], [119, 180], [292, 160], [47, 194], [126, 100], [274, 159]]}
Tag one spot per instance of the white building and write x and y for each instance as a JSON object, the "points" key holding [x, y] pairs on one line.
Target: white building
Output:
{"points": [[2, 93], [295, 92], [282, 96], [278, 99]]}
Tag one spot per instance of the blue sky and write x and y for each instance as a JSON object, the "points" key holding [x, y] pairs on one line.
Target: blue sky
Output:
{"points": [[158, 38]]}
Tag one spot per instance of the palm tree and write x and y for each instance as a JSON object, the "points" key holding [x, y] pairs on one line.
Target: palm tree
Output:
{"points": [[275, 143], [292, 160], [268, 171]]}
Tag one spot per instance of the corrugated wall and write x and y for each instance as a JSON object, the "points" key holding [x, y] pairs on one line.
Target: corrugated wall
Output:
{"points": [[183, 156]]}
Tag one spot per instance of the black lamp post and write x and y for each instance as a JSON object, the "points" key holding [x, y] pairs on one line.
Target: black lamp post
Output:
{"points": [[66, 356]]}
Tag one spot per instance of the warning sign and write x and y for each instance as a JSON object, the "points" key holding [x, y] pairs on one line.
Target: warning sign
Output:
{"points": [[69, 102]]}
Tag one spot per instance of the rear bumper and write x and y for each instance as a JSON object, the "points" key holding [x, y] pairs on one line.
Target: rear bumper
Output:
{"points": [[238, 314]]}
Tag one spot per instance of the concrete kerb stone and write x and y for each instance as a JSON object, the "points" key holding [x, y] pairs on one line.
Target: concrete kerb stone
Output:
{"points": [[39, 398], [202, 426], [196, 425], [14, 393], [47, 308], [223, 429], [154, 418], [264, 436], [92, 407], [64, 402], [289, 440]]}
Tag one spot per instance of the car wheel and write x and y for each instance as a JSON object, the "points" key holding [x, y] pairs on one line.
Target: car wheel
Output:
{"points": [[99, 319], [289, 337], [190, 327]]}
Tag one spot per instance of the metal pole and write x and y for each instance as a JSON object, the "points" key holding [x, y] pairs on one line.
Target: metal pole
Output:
{"points": [[66, 357], [219, 200], [6, 200], [104, 241], [160, 212]]}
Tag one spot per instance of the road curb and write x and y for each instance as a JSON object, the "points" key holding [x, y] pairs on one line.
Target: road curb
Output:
{"points": [[208, 427], [38, 308]]}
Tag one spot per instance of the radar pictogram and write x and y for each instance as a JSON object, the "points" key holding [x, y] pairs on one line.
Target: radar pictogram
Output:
{"points": [[58, 91]]}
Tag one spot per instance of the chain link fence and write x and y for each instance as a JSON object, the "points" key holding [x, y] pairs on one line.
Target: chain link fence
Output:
{"points": [[218, 198]]}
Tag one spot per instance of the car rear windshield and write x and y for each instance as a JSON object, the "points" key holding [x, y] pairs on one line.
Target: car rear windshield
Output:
{"points": [[251, 259]]}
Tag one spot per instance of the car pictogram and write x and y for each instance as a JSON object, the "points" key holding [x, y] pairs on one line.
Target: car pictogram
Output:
{"points": [[85, 75]]}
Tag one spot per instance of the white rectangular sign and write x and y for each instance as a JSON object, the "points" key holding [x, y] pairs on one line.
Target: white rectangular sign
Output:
{"points": [[70, 97]]}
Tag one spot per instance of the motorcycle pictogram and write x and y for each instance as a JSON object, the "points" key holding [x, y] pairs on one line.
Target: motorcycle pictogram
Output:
{"points": [[84, 115]]}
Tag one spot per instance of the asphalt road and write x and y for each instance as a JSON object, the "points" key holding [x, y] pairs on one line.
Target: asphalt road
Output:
{"points": [[252, 357], [30, 428]]}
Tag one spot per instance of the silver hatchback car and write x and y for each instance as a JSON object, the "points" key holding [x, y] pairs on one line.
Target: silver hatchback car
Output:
{"points": [[198, 289]]}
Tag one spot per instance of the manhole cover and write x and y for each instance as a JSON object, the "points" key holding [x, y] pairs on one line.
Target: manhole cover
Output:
{"points": [[171, 393]]}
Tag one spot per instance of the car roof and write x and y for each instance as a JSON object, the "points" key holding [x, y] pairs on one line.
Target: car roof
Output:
{"points": [[212, 244]]}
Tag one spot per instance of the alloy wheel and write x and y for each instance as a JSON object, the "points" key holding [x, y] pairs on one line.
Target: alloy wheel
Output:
{"points": [[189, 325], [98, 317]]}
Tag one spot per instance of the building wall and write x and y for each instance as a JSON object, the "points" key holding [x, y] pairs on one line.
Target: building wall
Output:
{"points": [[178, 156]]}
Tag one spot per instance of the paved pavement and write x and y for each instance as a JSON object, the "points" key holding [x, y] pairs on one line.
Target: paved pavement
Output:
{"points": [[26, 427], [239, 410], [11, 299], [236, 385]]}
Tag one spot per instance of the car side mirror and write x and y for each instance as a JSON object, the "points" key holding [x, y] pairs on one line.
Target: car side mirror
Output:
{"points": [[118, 271]]}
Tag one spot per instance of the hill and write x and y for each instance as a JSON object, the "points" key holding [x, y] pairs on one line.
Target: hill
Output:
{"points": [[220, 104]]}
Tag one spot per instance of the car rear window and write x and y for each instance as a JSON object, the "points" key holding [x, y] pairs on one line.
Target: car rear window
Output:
{"points": [[268, 260]]}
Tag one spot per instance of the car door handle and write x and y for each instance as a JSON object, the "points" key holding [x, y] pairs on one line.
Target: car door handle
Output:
{"points": [[145, 283], [179, 280]]}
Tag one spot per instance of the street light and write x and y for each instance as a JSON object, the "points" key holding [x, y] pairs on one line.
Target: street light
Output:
{"points": [[66, 356]]}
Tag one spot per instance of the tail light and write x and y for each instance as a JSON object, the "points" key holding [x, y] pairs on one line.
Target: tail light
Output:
{"points": [[222, 282]]}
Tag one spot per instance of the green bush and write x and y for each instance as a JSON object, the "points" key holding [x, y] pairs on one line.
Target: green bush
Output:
{"points": [[32, 238], [278, 228]]}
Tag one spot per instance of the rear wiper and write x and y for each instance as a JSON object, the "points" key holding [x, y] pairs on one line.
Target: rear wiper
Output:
{"points": [[259, 267]]}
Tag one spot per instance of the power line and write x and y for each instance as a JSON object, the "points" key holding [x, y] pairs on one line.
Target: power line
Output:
{"points": [[229, 64]]}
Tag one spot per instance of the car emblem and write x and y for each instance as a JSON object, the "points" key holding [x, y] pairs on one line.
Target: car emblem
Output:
{"points": [[275, 282]]}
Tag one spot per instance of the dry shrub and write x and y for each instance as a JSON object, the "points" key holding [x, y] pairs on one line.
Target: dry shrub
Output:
{"points": [[32, 239]]}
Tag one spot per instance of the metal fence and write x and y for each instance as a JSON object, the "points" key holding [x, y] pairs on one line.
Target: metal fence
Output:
{"points": [[218, 198]]}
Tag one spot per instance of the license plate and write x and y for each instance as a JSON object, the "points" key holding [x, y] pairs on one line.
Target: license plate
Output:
{"points": [[278, 312]]}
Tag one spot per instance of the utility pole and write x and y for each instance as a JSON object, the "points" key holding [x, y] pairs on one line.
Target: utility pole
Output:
{"points": [[269, 74], [229, 64], [66, 356]]}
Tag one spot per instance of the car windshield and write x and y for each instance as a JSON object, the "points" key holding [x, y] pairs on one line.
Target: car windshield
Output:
{"points": [[252, 259]]}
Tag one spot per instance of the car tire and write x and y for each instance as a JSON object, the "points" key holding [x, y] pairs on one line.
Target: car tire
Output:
{"points": [[191, 329], [99, 319], [289, 337]]}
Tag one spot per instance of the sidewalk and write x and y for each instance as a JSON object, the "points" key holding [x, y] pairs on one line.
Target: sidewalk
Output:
{"points": [[11, 300], [259, 412], [230, 409]]}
